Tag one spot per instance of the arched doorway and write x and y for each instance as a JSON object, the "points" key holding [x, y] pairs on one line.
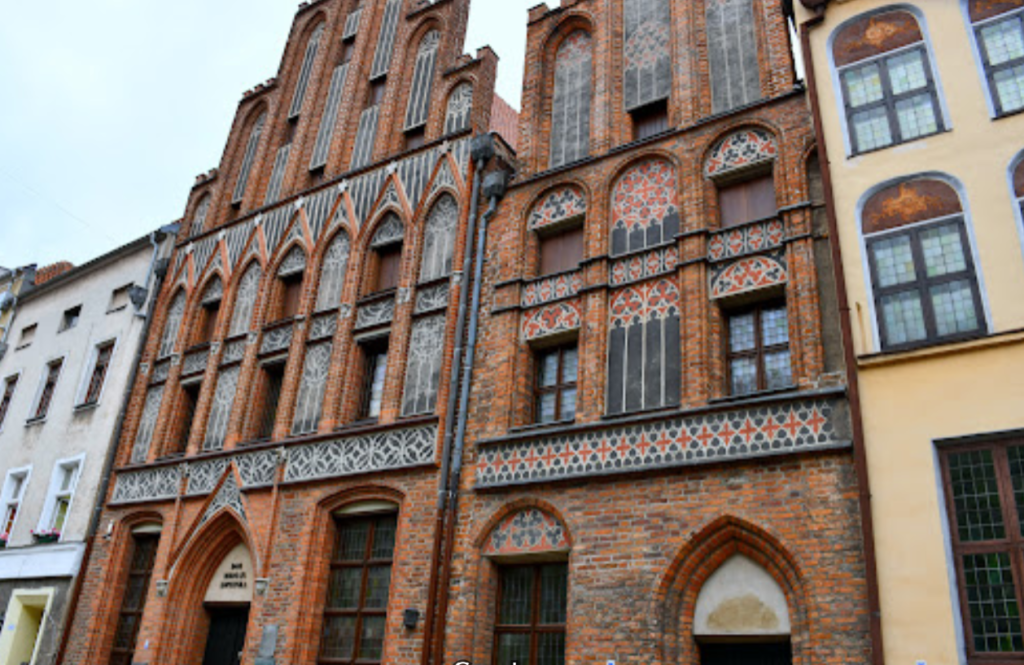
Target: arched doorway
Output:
{"points": [[742, 617], [226, 604]]}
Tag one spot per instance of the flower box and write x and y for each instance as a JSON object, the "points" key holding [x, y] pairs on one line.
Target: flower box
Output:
{"points": [[43, 537]]}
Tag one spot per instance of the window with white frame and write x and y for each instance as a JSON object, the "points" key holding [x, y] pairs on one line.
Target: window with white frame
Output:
{"points": [[889, 90], [10, 385], [46, 389], [13, 492], [922, 268], [62, 491], [999, 32]]}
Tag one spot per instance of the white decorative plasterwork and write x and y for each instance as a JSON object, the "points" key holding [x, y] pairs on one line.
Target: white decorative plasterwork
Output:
{"points": [[375, 314], [161, 371], [276, 339], [362, 454], [294, 262], [195, 362], [228, 496], [323, 327], [147, 485], [203, 476], [233, 352], [431, 299], [258, 469], [390, 231]]}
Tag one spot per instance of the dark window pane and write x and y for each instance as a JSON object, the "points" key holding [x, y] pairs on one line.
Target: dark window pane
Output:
{"points": [[551, 649], [339, 637], [389, 267], [992, 602], [352, 541], [384, 537], [514, 648], [273, 381], [554, 581], [1016, 456], [378, 582], [343, 591], [561, 252], [747, 201], [292, 297], [371, 645], [976, 496], [516, 596]]}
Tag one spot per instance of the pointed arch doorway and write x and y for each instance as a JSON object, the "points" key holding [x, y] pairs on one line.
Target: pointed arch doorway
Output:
{"points": [[227, 601]]}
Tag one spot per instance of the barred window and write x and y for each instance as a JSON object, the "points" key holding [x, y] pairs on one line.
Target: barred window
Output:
{"points": [[890, 94], [309, 404], [133, 602], [358, 589], [305, 72], [570, 104], [984, 486], [999, 28], [922, 268], [422, 81], [531, 617]]}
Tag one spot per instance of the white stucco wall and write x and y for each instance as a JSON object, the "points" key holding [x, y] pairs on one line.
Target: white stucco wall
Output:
{"points": [[69, 431]]}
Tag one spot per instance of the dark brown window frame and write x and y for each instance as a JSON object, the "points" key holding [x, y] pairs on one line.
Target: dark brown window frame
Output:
{"points": [[104, 354], [10, 386], [291, 289], [53, 371], [573, 228], [747, 180], [922, 284], [534, 628], [759, 351], [1012, 544], [372, 350], [990, 69], [124, 656], [187, 424], [560, 385], [366, 563], [270, 404], [890, 99], [383, 256]]}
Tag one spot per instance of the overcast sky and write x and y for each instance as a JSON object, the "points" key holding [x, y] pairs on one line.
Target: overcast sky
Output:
{"points": [[112, 107]]}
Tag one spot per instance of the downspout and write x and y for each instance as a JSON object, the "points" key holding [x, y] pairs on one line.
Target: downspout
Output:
{"points": [[850, 357], [494, 189], [482, 151], [155, 239]]}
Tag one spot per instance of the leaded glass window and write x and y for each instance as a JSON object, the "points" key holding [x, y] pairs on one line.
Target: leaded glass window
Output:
{"points": [[758, 351], [332, 274], [531, 614], [1000, 38], [732, 54], [570, 105], [245, 300], [439, 239], [174, 315], [985, 496], [358, 589], [423, 366]]}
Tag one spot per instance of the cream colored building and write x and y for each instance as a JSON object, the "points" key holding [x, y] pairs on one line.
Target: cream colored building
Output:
{"points": [[919, 110]]}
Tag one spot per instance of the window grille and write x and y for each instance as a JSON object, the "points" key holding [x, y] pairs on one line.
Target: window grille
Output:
{"points": [[386, 40], [309, 405], [277, 175], [366, 136], [758, 349]]}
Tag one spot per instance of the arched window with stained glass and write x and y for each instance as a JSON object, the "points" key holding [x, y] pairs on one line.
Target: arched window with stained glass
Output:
{"points": [[245, 300], [332, 274], [439, 239]]}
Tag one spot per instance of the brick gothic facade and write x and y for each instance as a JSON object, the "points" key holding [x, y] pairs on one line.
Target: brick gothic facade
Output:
{"points": [[639, 243]]}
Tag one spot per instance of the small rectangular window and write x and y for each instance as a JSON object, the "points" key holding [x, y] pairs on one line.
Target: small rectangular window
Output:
{"points": [[556, 384], [273, 381], [375, 371], [747, 201], [348, 49], [375, 96], [531, 614], [10, 385], [70, 318], [650, 120], [48, 388], [561, 251], [28, 333], [119, 299], [389, 264], [759, 357], [891, 99], [208, 325], [189, 401], [291, 296], [415, 138], [99, 373]]}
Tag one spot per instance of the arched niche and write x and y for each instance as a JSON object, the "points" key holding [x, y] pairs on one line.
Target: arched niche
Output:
{"points": [[741, 599], [233, 581]]}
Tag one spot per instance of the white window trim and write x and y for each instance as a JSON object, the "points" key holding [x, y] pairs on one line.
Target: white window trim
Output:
{"points": [[46, 515], [875, 344], [3, 386], [113, 308], [83, 382], [32, 420], [5, 496], [979, 58], [837, 84]]}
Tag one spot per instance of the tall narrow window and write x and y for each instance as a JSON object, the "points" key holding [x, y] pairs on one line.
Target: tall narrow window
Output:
{"points": [[273, 381], [423, 366], [375, 370], [922, 268], [133, 603], [248, 158], [532, 604], [62, 490], [732, 54], [759, 350], [387, 254], [220, 411], [888, 84], [277, 174], [48, 388], [322, 148], [199, 217], [147, 425], [309, 404], [647, 52], [174, 314], [305, 72], [386, 39], [332, 274], [986, 511], [14, 491], [570, 104], [104, 352], [439, 239], [245, 300], [460, 107], [366, 136], [422, 81], [10, 385], [209, 313], [355, 614], [291, 274], [747, 200], [187, 409], [999, 27], [556, 384]]}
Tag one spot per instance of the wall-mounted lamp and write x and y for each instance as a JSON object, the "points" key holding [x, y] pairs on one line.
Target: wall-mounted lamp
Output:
{"points": [[410, 619]]}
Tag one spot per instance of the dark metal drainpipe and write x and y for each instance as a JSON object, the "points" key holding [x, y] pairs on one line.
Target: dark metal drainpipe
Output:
{"points": [[853, 386], [482, 151], [108, 466]]}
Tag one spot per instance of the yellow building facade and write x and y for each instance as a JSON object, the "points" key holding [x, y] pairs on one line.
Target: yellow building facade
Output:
{"points": [[919, 109]]}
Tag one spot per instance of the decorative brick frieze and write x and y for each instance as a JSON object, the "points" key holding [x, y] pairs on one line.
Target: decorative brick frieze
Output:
{"points": [[556, 287], [552, 319], [432, 298], [749, 274], [643, 265], [747, 239], [195, 362], [277, 339], [147, 485], [376, 313], [686, 440], [365, 453], [740, 150], [528, 531]]}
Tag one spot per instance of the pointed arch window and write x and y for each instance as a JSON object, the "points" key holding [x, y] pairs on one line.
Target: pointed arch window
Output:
{"points": [[309, 405], [290, 277], [999, 29], [199, 217], [570, 105], [439, 239], [248, 158], [245, 301], [174, 315], [922, 268], [332, 274], [422, 81], [209, 311], [732, 54], [305, 72], [889, 88], [386, 256], [460, 106]]}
